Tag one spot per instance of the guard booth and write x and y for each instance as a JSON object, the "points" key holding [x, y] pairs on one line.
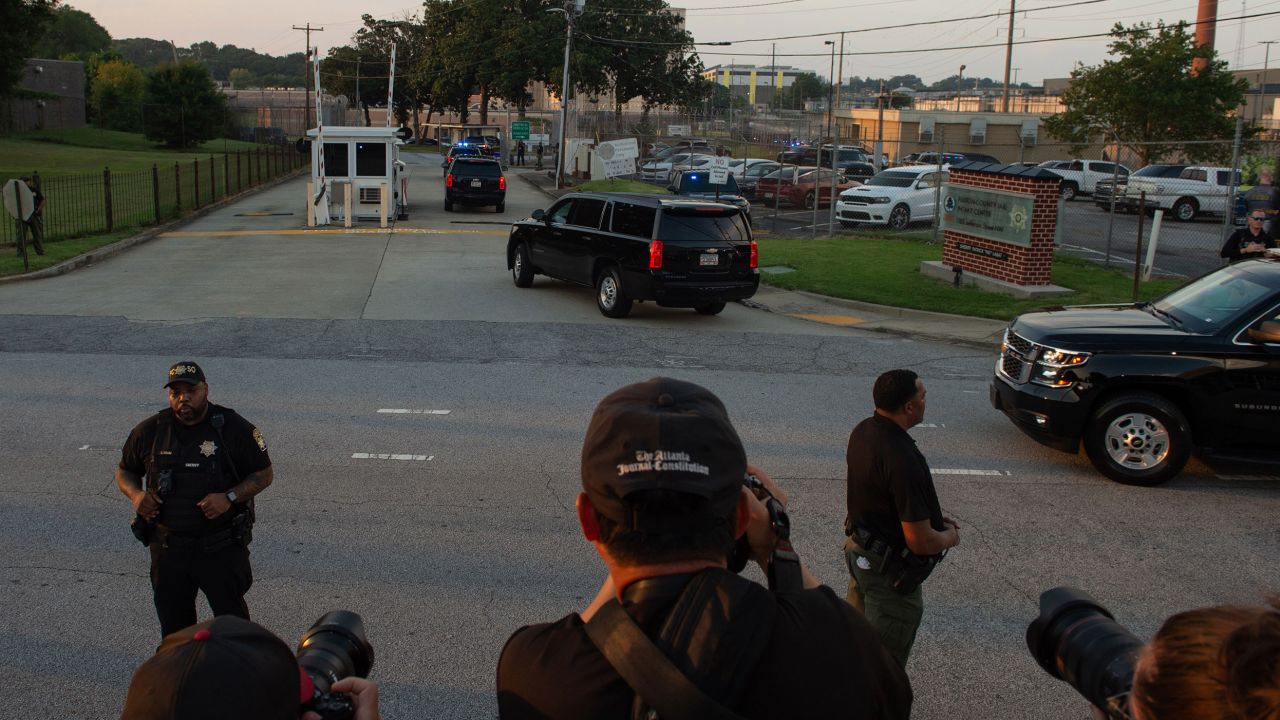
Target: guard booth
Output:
{"points": [[364, 177]]}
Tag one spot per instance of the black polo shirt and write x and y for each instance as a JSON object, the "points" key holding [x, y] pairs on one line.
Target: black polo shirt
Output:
{"points": [[823, 660], [889, 481], [245, 444]]}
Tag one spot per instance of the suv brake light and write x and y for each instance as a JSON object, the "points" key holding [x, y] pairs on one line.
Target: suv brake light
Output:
{"points": [[655, 254], [755, 255], [502, 182], [448, 180]]}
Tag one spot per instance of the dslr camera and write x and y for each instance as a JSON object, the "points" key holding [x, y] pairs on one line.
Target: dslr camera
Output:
{"points": [[333, 648], [1078, 641]]}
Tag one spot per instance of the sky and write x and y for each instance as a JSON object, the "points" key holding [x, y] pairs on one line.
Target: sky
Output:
{"points": [[876, 31]]}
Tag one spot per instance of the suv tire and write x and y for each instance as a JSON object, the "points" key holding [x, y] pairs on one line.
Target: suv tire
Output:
{"points": [[809, 199], [610, 297], [499, 207], [521, 268], [1184, 210], [711, 308], [1068, 191], [448, 206], [899, 217], [1138, 438]]}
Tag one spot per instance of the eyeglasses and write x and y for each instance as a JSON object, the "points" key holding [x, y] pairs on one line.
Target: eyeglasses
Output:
{"points": [[1257, 218]]}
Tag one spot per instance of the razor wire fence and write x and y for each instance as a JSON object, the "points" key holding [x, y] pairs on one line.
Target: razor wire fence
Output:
{"points": [[105, 202]]}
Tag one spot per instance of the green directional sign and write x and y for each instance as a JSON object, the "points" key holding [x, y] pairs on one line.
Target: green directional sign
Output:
{"points": [[520, 130]]}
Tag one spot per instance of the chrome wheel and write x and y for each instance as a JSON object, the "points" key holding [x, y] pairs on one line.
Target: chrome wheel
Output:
{"points": [[1136, 441], [608, 292]]}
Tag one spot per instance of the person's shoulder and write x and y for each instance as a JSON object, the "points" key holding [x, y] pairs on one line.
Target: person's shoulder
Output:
{"points": [[233, 419], [149, 423], [547, 647]]}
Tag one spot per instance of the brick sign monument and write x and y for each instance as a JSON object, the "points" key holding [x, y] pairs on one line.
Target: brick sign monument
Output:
{"points": [[1000, 224]]}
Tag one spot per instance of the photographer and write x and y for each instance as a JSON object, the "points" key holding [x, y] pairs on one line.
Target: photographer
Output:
{"points": [[672, 631], [228, 667]]}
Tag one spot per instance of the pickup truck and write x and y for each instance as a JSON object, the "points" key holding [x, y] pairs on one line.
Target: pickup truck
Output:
{"points": [[1198, 189], [1080, 177]]}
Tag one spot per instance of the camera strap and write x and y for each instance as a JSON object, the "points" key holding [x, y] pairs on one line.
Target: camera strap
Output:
{"points": [[704, 654]]}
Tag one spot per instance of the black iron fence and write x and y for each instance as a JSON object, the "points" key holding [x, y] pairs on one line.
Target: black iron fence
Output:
{"points": [[95, 203]]}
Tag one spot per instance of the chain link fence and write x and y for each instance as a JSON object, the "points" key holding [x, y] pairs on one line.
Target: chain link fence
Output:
{"points": [[88, 204]]}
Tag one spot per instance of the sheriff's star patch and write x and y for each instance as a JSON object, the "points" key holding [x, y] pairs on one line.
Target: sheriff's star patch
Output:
{"points": [[257, 437], [208, 448]]}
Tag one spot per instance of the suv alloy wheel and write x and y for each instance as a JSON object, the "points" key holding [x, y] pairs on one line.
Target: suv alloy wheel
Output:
{"points": [[1138, 438]]}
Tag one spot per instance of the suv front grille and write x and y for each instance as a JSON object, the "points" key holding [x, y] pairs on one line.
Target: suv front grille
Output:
{"points": [[1018, 357]]}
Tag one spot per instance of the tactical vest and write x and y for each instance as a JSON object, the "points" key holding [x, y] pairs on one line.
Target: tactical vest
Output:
{"points": [[196, 470]]}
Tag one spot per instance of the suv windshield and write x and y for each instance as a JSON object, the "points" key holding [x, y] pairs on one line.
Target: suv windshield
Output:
{"points": [[893, 179], [1206, 304], [702, 226], [700, 182]]}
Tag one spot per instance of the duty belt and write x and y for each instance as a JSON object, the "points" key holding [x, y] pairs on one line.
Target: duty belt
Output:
{"points": [[871, 543], [208, 541]]}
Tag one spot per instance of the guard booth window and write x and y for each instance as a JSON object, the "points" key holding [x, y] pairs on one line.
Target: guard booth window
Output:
{"points": [[335, 160], [371, 159]]}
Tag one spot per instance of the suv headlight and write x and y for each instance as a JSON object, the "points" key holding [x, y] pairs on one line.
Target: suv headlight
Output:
{"points": [[1052, 365]]}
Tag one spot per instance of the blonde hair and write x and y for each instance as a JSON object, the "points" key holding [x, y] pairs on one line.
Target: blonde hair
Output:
{"points": [[1219, 663]]}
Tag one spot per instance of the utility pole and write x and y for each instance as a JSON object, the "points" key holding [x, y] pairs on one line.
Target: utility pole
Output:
{"points": [[1008, 55], [571, 9], [307, 106], [959, 84], [1262, 86], [878, 160], [773, 70], [835, 149]]}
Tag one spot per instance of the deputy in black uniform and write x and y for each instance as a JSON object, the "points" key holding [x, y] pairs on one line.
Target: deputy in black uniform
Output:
{"points": [[897, 532], [203, 464]]}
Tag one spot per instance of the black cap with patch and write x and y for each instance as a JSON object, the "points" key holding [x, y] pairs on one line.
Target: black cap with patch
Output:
{"points": [[184, 372], [661, 434]]}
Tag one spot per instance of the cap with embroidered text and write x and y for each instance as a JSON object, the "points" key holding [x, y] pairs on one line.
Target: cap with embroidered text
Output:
{"points": [[184, 372]]}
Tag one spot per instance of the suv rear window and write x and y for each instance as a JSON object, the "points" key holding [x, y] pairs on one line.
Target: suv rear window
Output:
{"points": [[702, 226], [634, 220], [476, 169]]}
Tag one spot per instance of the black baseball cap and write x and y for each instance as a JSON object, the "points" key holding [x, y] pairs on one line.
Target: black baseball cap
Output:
{"points": [[661, 434], [222, 668], [184, 372]]}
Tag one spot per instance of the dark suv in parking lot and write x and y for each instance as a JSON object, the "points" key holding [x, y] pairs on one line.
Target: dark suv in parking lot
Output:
{"points": [[637, 247], [1141, 385], [475, 181]]}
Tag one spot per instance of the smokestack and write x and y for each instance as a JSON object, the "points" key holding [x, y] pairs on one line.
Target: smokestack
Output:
{"points": [[1206, 26]]}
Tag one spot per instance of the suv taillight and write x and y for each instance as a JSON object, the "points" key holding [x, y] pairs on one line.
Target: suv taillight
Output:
{"points": [[502, 182], [755, 255], [448, 180], [655, 254]]}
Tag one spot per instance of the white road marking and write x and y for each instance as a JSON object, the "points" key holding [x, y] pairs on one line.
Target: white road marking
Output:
{"points": [[966, 471], [84, 447], [407, 411], [391, 456], [680, 361], [931, 425]]}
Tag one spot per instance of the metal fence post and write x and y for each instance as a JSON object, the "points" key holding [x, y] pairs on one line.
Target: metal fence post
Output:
{"points": [[239, 181], [155, 190], [106, 196], [1137, 253], [177, 186], [213, 181], [195, 167], [226, 175]]}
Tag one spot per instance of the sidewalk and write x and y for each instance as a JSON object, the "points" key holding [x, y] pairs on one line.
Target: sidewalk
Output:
{"points": [[959, 329]]}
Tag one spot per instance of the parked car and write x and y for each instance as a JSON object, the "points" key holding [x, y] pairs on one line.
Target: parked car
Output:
{"points": [[1081, 177], [895, 197], [659, 169], [458, 151], [932, 158], [1197, 190], [695, 162], [634, 247], [801, 186], [1103, 190], [475, 181], [737, 167], [748, 179], [1140, 386], [696, 185]]}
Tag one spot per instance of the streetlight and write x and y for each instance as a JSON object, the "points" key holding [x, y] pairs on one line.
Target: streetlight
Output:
{"points": [[959, 84], [830, 113]]}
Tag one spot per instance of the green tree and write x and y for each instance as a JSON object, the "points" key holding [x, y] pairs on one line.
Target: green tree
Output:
{"points": [[1148, 94], [72, 33], [241, 78], [118, 88], [21, 23], [183, 107]]}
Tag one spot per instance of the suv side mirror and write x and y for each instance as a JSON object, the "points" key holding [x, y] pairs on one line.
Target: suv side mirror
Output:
{"points": [[1268, 331], [538, 215]]}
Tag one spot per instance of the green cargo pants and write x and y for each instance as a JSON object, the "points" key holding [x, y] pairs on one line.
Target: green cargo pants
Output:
{"points": [[895, 616]]}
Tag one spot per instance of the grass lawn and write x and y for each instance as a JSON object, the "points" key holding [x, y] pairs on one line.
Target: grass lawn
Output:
{"points": [[886, 271], [86, 150], [56, 251], [614, 185]]}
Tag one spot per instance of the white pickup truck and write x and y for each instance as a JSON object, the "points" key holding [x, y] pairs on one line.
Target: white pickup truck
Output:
{"points": [[1080, 177], [1197, 189]]}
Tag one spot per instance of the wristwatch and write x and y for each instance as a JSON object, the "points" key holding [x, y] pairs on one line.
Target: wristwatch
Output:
{"points": [[231, 496]]}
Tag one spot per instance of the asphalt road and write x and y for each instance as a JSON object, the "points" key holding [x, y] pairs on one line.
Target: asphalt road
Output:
{"points": [[315, 336]]}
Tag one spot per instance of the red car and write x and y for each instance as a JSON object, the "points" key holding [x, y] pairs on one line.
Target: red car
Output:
{"points": [[812, 183]]}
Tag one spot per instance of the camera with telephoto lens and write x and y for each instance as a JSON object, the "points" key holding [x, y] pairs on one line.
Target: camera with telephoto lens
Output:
{"points": [[335, 647], [1078, 641]]}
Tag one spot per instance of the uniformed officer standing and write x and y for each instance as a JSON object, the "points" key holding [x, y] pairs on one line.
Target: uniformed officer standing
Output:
{"points": [[896, 527], [203, 463]]}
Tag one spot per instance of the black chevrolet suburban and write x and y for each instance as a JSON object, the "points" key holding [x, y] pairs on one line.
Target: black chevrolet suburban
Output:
{"points": [[1141, 385], [636, 247], [475, 181]]}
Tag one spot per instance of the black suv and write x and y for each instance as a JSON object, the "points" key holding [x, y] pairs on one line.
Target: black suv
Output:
{"points": [[637, 247], [1141, 385], [475, 181]]}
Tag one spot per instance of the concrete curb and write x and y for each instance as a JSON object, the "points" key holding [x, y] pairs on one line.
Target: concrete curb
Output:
{"points": [[528, 177], [108, 251]]}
